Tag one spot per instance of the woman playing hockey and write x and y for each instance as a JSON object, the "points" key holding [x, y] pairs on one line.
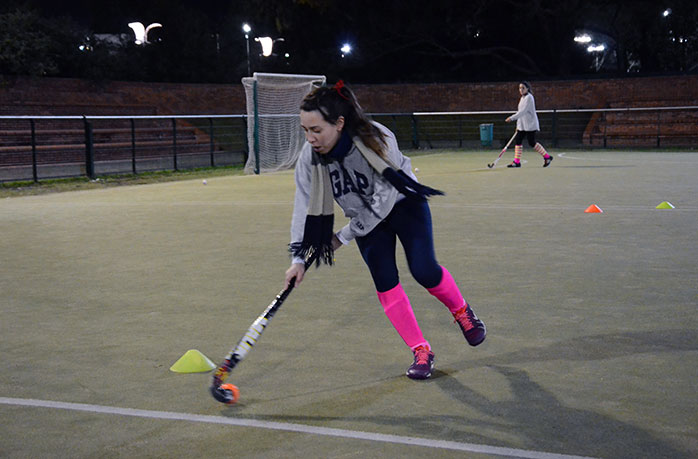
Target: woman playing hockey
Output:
{"points": [[526, 126], [356, 162]]}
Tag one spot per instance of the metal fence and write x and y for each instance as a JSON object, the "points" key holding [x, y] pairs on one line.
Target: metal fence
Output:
{"points": [[651, 127], [43, 147]]}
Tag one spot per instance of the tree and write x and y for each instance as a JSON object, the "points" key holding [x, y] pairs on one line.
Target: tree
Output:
{"points": [[33, 45], [393, 40]]}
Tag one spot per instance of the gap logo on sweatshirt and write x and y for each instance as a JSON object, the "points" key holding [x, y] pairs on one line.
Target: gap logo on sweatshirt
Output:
{"points": [[343, 184]]}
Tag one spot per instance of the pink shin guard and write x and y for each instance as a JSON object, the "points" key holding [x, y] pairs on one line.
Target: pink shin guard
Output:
{"points": [[399, 311], [447, 292]]}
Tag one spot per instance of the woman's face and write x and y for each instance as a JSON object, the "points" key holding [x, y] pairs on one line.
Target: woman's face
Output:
{"points": [[523, 90], [320, 134]]}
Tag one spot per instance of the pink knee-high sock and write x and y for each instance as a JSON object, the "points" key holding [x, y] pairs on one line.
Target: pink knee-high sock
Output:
{"points": [[399, 311], [447, 292]]}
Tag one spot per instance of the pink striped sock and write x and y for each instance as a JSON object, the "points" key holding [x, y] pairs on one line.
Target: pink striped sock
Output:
{"points": [[399, 311], [539, 148], [447, 292], [518, 150]]}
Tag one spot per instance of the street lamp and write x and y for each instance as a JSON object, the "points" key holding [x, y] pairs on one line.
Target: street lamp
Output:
{"points": [[597, 49], [247, 29]]}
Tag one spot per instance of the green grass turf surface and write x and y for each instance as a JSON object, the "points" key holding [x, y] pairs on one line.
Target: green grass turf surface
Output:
{"points": [[592, 346]]}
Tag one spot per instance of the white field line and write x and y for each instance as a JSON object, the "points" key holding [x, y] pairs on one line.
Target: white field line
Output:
{"points": [[287, 427]]}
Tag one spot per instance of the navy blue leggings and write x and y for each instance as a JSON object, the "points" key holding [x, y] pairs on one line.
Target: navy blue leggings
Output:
{"points": [[410, 220]]}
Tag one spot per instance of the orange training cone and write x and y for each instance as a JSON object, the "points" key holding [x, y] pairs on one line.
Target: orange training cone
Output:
{"points": [[593, 209]]}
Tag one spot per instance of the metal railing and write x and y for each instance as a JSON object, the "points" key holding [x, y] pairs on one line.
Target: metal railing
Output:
{"points": [[646, 127], [43, 147]]}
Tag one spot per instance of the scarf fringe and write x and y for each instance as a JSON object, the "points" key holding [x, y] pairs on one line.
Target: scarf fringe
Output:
{"points": [[408, 186], [304, 250]]}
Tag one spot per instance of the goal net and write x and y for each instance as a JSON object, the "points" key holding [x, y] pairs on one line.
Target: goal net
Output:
{"points": [[274, 133]]}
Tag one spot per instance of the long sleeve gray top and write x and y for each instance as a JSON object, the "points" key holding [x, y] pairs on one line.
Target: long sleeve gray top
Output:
{"points": [[526, 118], [363, 194]]}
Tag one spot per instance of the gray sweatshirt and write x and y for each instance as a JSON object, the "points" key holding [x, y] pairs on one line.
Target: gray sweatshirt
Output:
{"points": [[363, 187], [526, 118]]}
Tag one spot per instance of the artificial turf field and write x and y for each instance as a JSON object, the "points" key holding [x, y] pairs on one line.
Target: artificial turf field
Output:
{"points": [[592, 346]]}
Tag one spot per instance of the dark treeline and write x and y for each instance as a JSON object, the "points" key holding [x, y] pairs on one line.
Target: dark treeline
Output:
{"points": [[393, 40]]}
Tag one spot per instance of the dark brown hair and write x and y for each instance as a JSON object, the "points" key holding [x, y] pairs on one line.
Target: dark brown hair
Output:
{"points": [[528, 86], [335, 101]]}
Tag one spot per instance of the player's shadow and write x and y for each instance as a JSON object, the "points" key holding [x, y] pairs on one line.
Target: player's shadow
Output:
{"points": [[546, 424], [579, 166], [532, 415], [599, 347]]}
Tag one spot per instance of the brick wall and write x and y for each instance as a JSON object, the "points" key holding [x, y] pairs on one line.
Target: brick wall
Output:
{"points": [[61, 96], [58, 96], [632, 92]]}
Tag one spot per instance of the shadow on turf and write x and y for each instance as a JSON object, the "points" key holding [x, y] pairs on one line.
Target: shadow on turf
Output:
{"points": [[536, 416], [600, 347], [598, 167], [548, 425], [538, 420]]}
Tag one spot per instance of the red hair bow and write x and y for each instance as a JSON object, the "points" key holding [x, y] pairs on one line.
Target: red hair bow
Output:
{"points": [[338, 87]]}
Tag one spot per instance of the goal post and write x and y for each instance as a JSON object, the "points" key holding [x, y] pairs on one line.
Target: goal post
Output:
{"points": [[274, 133]]}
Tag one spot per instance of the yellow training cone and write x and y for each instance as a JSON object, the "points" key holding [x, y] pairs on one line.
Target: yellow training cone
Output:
{"points": [[193, 361], [665, 205]]}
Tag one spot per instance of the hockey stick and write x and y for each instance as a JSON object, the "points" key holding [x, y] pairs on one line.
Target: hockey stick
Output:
{"points": [[229, 393], [491, 165]]}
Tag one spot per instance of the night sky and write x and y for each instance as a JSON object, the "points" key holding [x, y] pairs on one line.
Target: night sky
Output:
{"points": [[392, 41]]}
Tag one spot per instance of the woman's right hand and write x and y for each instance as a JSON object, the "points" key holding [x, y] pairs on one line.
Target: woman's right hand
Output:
{"points": [[296, 270]]}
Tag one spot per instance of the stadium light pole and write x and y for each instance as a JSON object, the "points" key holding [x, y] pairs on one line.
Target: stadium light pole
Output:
{"points": [[596, 50], [247, 29], [345, 49]]}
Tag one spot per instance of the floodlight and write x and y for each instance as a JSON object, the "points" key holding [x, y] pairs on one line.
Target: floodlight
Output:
{"points": [[141, 31], [267, 45], [151, 26], [584, 38]]}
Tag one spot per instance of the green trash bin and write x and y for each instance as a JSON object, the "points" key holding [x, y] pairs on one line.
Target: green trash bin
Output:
{"points": [[486, 134]]}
